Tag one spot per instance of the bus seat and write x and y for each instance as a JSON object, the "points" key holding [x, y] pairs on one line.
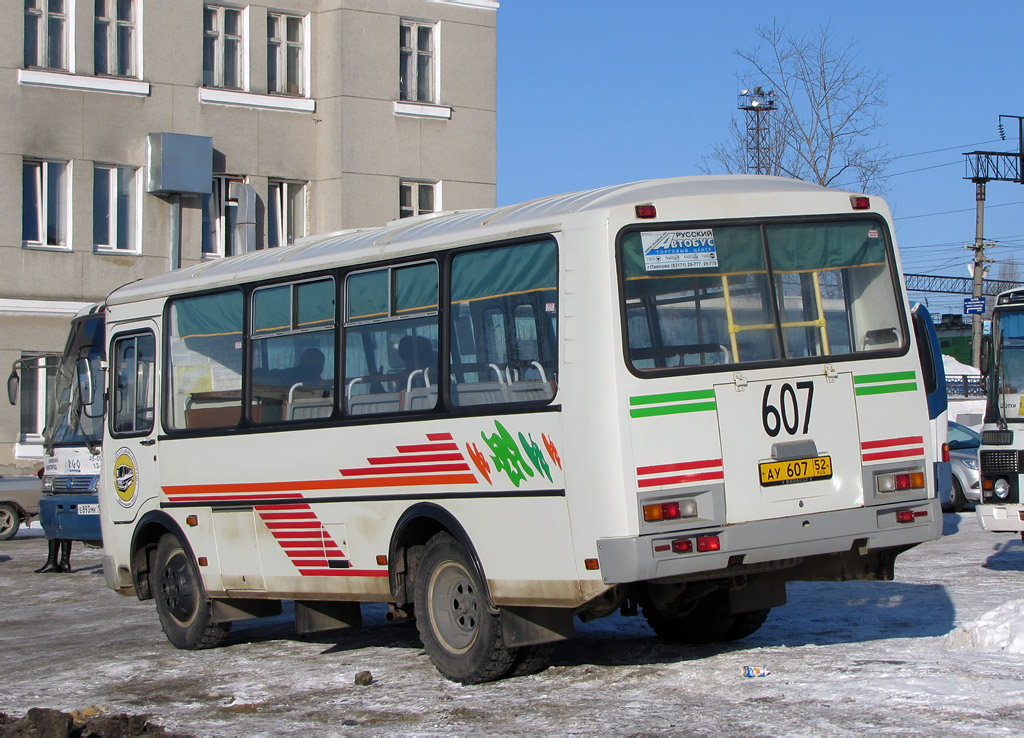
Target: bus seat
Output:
{"points": [[479, 393], [385, 402], [419, 398], [531, 389]]}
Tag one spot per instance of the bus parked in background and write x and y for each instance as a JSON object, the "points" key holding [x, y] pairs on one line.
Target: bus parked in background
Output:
{"points": [[69, 505], [933, 377], [672, 396], [1002, 443]]}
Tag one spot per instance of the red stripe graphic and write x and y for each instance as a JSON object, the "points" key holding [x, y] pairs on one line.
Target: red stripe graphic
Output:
{"points": [[891, 451], [658, 475], [906, 441], [416, 465]]}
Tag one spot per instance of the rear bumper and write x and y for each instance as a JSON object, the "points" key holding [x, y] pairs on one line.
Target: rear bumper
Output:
{"points": [[634, 558], [60, 518], [1001, 518]]}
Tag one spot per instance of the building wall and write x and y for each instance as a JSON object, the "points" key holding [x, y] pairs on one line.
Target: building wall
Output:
{"points": [[352, 148]]}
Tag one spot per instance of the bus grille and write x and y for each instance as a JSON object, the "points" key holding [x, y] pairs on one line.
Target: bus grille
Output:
{"points": [[79, 484], [997, 437], [998, 461]]}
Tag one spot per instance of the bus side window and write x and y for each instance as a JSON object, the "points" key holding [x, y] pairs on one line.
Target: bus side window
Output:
{"points": [[504, 322], [390, 338], [134, 393], [205, 361]]}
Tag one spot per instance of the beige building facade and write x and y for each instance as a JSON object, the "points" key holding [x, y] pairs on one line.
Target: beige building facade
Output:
{"points": [[314, 116]]}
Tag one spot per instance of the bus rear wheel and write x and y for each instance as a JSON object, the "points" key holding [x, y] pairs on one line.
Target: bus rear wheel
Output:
{"points": [[705, 620], [185, 612], [459, 632]]}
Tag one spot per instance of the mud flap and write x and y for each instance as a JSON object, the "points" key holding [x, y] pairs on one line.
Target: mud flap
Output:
{"points": [[762, 593], [526, 626], [314, 616], [226, 611]]}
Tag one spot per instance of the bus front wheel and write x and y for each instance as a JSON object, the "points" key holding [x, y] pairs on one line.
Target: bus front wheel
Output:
{"points": [[458, 630], [186, 614]]}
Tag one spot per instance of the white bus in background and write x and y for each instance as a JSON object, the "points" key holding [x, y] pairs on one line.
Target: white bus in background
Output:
{"points": [[674, 395], [69, 505], [1001, 509]]}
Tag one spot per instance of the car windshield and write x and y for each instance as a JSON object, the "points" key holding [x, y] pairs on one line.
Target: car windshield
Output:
{"points": [[963, 435]]}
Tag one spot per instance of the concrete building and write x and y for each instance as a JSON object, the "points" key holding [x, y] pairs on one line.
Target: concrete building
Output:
{"points": [[314, 116]]}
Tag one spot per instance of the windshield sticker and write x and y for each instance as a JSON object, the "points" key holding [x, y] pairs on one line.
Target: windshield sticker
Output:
{"points": [[694, 249]]}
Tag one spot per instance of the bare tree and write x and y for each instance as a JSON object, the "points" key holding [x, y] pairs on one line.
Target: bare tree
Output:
{"points": [[827, 108], [1008, 270]]}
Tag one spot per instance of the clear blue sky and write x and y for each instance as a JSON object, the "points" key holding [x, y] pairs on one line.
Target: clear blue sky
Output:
{"points": [[596, 92]]}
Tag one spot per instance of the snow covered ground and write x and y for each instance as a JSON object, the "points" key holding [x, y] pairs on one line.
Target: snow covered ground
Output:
{"points": [[938, 651]]}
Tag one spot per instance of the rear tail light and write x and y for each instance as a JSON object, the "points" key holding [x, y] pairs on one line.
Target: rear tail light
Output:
{"points": [[860, 202], [945, 452], [909, 516], [670, 510], [708, 543], [682, 546], [646, 211], [900, 482]]}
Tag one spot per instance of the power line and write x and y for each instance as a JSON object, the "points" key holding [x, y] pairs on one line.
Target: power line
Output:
{"points": [[962, 210]]}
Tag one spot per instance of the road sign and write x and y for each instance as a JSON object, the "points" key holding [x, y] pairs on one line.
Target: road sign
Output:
{"points": [[974, 306]]}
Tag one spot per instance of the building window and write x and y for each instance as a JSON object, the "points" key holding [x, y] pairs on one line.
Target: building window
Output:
{"points": [[37, 378], [223, 47], [46, 34], [220, 216], [286, 55], [115, 202], [286, 212], [417, 198], [114, 41], [417, 75], [44, 203]]}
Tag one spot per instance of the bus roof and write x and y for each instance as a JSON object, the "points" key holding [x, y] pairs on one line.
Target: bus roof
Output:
{"points": [[450, 229]]}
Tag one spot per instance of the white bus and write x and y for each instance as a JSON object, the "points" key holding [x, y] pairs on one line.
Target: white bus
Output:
{"points": [[672, 395], [1000, 509]]}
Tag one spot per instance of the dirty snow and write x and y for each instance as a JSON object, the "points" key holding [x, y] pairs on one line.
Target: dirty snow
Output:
{"points": [[845, 658]]}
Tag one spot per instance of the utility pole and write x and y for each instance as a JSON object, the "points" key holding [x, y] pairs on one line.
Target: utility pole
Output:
{"points": [[982, 167], [980, 263]]}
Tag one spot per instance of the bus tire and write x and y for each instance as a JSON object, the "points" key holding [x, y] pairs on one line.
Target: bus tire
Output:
{"points": [[747, 623], [185, 612], [459, 632], [10, 521], [706, 620], [531, 659]]}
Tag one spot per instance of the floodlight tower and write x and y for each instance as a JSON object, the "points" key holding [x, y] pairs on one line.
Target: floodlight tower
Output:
{"points": [[757, 104]]}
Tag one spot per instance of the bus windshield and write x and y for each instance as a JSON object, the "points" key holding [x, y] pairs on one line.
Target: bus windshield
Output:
{"points": [[755, 293], [70, 423], [1010, 332]]}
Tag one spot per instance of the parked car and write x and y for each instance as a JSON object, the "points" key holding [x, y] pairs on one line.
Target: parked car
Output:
{"points": [[19, 502], [963, 457]]}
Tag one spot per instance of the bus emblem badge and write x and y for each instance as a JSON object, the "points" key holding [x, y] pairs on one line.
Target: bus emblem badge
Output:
{"points": [[126, 477]]}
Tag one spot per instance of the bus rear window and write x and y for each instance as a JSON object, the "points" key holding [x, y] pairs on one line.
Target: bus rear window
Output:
{"points": [[745, 294]]}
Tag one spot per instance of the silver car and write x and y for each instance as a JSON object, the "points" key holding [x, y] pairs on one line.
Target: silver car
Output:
{"points": [[19, 503], [963, 460]]}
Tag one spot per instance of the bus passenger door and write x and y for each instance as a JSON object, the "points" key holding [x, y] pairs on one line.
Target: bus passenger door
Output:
{"points": [[130, 448]]}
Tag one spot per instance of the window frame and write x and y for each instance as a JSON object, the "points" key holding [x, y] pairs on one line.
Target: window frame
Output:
{"points": [[408, 62], [220, 36], [41, 11], [112, 415], [41, 182], [114, 27], [279, 200], [279, 46], [443, 408], [414, 186], [45, 375], [113, 187], [770, 276], [221, 235]]}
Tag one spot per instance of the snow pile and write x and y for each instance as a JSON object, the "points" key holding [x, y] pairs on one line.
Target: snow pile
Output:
{"points": [[955, 368], [1001, 629]]}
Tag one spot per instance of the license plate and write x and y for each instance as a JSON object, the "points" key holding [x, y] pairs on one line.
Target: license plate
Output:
{"points": [[89, 508], [795, 470]]}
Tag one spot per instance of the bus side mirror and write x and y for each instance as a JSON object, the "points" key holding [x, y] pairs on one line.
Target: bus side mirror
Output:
{"points": [[12, 387], [985, 355], [85, 388]]}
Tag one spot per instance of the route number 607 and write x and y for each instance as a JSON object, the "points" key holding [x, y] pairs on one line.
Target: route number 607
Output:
{"points": [[787, 413]]}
